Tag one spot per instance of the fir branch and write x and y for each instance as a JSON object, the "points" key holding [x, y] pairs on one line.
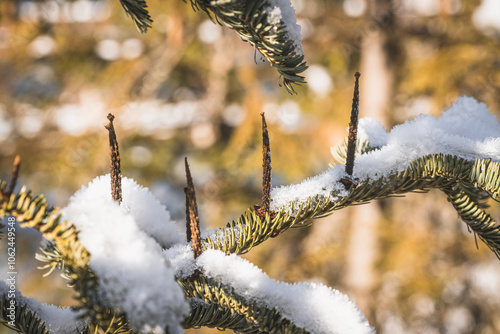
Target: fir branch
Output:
{"points": [[481, 223], [486, 175], [218, 306], [65, 250], [251, 20], [137, 11], [432, 171], [467, 185]]}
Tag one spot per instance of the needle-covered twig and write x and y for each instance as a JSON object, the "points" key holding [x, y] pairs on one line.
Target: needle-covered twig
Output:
{"points": [[116, 174], [192, 219]]}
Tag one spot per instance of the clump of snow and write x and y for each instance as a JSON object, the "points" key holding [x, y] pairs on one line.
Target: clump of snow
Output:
{"points": [[371, 130], [181, 260], [314, 307], [151, 216], [56, 319], [283, 11], [467, 129], [133, 274]]}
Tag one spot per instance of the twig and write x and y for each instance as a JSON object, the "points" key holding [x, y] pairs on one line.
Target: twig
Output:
{"points": [[188, 216], [192, 219], [266, 167], [352, 137], [116, 174], [353, 129], [265, 208], [13, 178]]}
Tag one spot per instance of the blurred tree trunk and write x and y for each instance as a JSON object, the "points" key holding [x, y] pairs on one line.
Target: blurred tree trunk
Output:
{"points": [[376, 92]]}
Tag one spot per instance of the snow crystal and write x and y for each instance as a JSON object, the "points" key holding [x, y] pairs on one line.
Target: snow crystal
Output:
{"points": [[133, 274], [56, 319], [282, 10], [314, 307], [467, 129]]}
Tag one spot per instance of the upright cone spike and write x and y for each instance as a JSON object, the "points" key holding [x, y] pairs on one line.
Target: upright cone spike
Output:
{"points": [[266, 167], [353, 129], [352, 137], [13, 177], [192, 219], [115, 170]]}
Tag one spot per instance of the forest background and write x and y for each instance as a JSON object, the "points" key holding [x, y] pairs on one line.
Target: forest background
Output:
{"points": [[191, 88]]}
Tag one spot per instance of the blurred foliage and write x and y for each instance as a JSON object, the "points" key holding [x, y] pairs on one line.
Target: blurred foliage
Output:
{"points": [[61, 75]]}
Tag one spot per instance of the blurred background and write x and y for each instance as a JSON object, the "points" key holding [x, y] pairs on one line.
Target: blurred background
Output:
{"points": [[191, 88]]}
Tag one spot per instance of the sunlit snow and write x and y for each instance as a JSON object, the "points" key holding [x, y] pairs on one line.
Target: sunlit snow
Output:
{"points": [[467, 130], [125, 242], [282, 10], [57, 320]]}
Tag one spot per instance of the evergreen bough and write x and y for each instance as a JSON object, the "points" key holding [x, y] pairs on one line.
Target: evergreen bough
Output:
{"points": [[466, 184]]}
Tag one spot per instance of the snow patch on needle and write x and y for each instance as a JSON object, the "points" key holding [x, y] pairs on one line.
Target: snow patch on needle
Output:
{"points": [[283, 11]]}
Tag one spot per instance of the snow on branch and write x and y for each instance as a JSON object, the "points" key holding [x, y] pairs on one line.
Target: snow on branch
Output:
{"points": [[311, 306], [40, 317], [143, 267], [457, 153], [139, 278], [268, 25], [125, 243], [466, 130]]}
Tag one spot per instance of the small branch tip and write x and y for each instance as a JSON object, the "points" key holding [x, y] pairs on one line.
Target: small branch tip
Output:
{"points": [[266, 170], [353, 129], [115, 169], [16, 165], [193, 233], [17, 160]]}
